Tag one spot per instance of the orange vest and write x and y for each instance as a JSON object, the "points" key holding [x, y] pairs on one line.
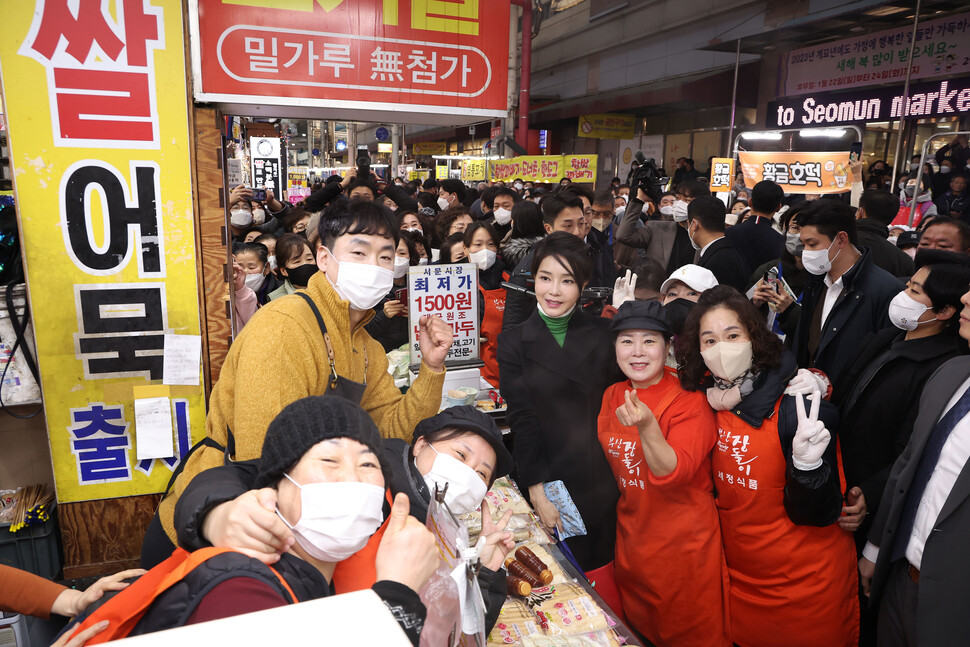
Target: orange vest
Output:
{"points": [[359, 571], [491, 327], [669, 564], [789, 583]]}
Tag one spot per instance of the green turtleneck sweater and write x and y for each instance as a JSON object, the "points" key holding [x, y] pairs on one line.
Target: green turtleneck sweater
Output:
{"points": [[557, 325]]}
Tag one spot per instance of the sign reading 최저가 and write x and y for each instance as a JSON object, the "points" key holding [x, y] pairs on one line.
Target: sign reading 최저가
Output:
{"points": [[387, 59], [935, 99], [96, 104], [798, 172], [450, 292]]}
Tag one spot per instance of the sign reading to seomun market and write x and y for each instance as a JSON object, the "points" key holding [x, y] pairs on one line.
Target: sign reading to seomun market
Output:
{"points": [[937, 99], [443, 59]]}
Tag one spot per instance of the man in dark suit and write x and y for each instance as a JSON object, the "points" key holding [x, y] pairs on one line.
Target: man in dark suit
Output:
{"points": [[756, 239], [917, 559], [705, 226], [877, 208]]}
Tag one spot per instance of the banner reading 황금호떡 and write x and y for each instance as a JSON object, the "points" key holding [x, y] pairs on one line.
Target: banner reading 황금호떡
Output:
{"points": [[95, 101], [798, 172]]}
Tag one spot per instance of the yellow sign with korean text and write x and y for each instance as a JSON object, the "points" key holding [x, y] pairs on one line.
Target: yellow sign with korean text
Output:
{"points": [[429, 148], [799, 172], [544, 168], [95, 100], [473, 170], [606, 126], [722, 174]]}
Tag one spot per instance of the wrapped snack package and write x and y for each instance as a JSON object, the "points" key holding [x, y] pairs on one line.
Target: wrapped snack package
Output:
{"points": [[600, 639], [515, 623], [566, 609]]}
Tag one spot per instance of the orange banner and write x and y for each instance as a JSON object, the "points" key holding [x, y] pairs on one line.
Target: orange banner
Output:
{"points": [[799, 172]]}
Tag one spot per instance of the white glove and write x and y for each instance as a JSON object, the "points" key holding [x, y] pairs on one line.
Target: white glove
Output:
{"points": [[623, 289], [807, 382], [811, 437]]}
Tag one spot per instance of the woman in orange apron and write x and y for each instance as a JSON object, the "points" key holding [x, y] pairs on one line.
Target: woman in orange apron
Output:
{"points": [[481, 248], [657, 438], [792, 568]]}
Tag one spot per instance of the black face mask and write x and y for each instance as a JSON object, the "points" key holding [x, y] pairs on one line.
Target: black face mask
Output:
{"points": [[302, 234], [677, 311], [300, 275]]}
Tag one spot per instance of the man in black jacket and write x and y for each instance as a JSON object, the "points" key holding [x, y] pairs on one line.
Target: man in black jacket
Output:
{"points": [[755, 238], [848, 296], [877, 208], [705, 226]]}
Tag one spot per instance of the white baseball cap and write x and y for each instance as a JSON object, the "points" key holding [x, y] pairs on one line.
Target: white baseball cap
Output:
{"points": [[696, 277]]}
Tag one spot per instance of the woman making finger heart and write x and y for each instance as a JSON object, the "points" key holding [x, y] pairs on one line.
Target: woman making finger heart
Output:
{"points": [[658, 440]]}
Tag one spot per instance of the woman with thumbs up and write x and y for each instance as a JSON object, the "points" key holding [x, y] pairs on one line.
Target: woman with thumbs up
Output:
{"points": [[775, 469], [658, 438]]}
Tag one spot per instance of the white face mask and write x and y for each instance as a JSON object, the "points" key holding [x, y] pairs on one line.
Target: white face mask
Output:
{"points": [[483, 258], [816, 261], [728, 360], [892, 240], [416, 229], [465, 488], [259, 216], [240, 218], [271, 259], [337, 519], [518, 186], [905, 311], [692, 243], [944, 169], [793, 243], [443, 203], [667, 210], [680, 211], [363, 284], [620, 211], [255, 281], [502, 216], [401, 265], [423, 261]]}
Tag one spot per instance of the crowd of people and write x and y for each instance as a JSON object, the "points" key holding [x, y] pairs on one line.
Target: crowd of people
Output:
{"points": [[758, 408]]}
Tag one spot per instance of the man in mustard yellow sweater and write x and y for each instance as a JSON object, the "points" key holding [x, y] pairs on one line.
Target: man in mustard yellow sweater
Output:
{"points": [[283, 355]]}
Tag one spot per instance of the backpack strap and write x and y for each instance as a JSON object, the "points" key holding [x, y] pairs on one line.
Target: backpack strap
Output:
{"points": [[128, 607]]}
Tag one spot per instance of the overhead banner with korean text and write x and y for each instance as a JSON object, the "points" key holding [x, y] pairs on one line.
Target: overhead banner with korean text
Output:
{"points": [[942, 49], [606, 126], [95, 100], [423, 61], [544, 168], [798, 172]]}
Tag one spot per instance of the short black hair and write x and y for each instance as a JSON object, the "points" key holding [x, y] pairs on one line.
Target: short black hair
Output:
{"points": [[882, 206], [288, 247], [571, 252], [602, 197], [949, 276], [492, 192], [766, 197], [445, 258], [475, 226], [693, 189], [430, 183], [366, 217], [579, 191], [264, 237], [962, 227], [650, 274], [409, 239], [553, 205], [454, 186], [358, 182], [709, 212], [259, 249], [527, 220], [688, 160], [829, 217]]}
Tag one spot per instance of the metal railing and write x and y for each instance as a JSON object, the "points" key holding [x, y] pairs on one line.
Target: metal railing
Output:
{"points": [[922, 163]]}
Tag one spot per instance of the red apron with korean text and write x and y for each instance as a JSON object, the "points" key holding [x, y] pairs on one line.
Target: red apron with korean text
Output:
{"points": [[494, 311], [790, 584], [669, 564]]}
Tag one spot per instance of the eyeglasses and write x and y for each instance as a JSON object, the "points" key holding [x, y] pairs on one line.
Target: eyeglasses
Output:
{"points": [[602, 214]]}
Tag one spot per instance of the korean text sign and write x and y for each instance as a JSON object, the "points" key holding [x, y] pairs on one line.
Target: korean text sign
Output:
{"points": [[266, 163], [799, 172], [444, 57], [942, 48], [545, 168], [722, 177], [450, 292], [606, 126], [95, 100]]}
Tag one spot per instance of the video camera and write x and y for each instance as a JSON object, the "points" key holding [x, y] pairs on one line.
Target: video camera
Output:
{"points": [[647, 177]]}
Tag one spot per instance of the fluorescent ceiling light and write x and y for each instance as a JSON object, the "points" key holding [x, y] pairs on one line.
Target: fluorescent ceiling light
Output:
{"points": [[822, 132], [761, 136]]}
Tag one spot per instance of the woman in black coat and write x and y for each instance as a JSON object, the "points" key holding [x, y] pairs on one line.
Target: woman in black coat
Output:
{"points": [[554, 369], [878, 397]]}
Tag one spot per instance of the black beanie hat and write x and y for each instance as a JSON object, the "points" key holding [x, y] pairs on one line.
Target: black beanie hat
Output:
{"points": [[303, 424]]}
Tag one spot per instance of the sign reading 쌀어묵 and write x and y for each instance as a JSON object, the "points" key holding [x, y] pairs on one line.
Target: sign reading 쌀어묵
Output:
{"points": [[450, 292], [94, 96]]}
